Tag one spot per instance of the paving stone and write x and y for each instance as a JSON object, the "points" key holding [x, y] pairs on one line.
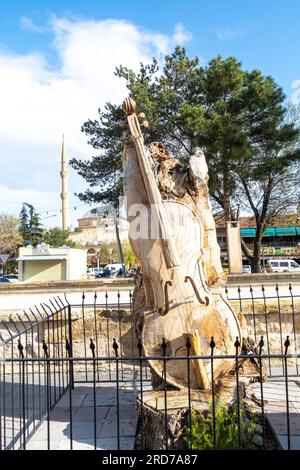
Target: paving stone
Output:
{"points": [[86, 413], [278, 407], [77, 400], [60, 430], [278, 422], [126, 443], [126, 428], [42, 445], [294, 441], [125, 412]]}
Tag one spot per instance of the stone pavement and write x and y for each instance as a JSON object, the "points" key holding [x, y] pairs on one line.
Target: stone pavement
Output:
{"points": [[83, 419], [106, 414], [274, 393]]}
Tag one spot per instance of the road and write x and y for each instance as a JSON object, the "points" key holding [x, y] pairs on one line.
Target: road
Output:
{"points": [[17, 302]]}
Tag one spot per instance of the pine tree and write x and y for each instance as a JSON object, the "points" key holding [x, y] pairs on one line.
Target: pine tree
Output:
{"points": [[236, 116], [30, 226]]}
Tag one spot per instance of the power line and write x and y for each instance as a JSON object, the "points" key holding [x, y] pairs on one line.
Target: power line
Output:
{"points": [[58, 211]]}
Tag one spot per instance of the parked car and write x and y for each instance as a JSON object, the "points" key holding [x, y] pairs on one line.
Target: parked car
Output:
{"points": [[282, 266], [114, 267], [12, 277], [4, 279], [120, 273], [94, 272], [246, 269], [105, 273]]}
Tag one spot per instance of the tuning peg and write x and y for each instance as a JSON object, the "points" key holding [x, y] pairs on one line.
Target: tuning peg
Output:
{"points": [[123, 124], [145, 124], [142, 116]]}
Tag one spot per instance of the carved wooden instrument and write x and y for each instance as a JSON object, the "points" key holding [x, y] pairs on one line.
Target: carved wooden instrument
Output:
{"points": [[179, 302], [158, 210]]}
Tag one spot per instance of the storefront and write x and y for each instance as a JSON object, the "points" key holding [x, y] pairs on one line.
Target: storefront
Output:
{"points": [[51, 264]]}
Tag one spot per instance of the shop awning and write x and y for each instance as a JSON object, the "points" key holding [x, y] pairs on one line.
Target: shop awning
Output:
{"points": [[272, 232]]}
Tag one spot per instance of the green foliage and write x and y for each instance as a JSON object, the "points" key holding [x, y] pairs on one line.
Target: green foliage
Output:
{"points": [[226, 429], [56, 237], [30, 228], [10, 238], [109, 253], [130, 259]]}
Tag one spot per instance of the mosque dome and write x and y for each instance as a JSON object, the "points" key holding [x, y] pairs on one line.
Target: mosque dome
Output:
{"points": [[95, 213]]}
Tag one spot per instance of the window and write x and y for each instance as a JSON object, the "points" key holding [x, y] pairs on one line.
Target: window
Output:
{"points": [[274, 264], [294, 264], [284, 264]]}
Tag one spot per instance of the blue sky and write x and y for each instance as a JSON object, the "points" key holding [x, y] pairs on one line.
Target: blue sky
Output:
{"points": [[57, 60]]}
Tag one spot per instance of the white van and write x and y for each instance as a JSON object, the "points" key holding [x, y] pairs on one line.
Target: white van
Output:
{"points": [[114, 267], [283, 266]]}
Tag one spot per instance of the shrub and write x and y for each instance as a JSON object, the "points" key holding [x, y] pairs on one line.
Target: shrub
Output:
{"points": [[226, 429]]}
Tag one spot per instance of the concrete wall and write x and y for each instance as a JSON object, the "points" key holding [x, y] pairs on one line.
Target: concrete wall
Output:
{"points": [[77, 264]]}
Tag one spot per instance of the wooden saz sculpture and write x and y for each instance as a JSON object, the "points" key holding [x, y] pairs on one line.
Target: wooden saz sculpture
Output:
{"points": [[172, 233]]}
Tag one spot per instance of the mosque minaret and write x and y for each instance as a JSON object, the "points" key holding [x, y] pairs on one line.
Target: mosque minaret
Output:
{"points": [[64, 174]]}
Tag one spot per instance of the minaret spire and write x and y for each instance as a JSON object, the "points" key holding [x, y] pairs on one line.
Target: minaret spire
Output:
{"points": [[64, 174]]}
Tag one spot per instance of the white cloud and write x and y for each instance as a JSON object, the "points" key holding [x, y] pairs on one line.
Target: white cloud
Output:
{"points": [[296, 93], [230, 32], [28, 25], [181, 35], [39, 103]]}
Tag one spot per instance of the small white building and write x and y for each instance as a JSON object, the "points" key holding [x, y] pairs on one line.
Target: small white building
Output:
{"points": [[51, 264]]}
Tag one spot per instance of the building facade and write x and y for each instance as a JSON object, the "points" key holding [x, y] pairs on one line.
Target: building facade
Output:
{"points": [[94, 230], [281, 240], [51, 264]]}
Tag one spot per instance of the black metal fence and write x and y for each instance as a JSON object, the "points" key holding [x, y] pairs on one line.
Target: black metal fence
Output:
{"points": [[54, 349], [272, 314]]}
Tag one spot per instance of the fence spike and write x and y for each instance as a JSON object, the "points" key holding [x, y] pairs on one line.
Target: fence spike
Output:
{"points": [[55, 309], [140, 346], [21, 320], [66, 299], [115, 347], [7, 329], [261, 345], [68, 348], [33, 314], [237, 344], [164, 346], [188, 344], [287, 344], [45, 348], [57, 303], [92, 347], [212, 344], [20, 349]]}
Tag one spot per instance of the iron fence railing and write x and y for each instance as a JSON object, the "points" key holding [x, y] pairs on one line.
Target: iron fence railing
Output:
{"points": [[19, 417], [262, 306], [54, 348]]}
